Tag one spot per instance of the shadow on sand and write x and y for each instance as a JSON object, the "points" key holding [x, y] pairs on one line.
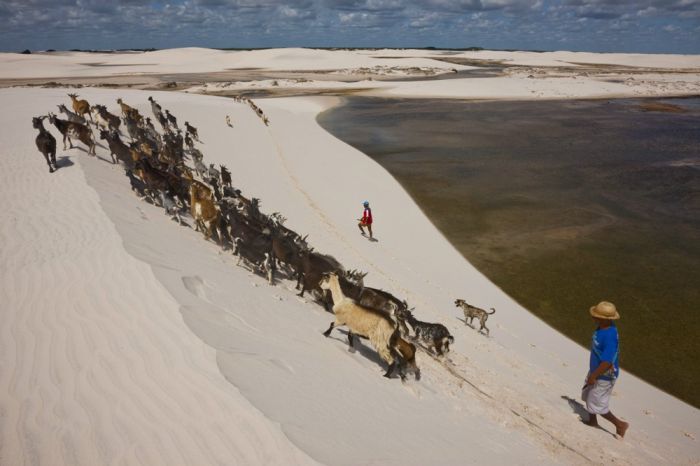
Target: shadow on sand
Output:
{"points": [[64, 161], [366, 351]]}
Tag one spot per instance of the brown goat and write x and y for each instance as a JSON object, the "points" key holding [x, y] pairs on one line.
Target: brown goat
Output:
{"points": [[76, 130], [126, 109], [204, 211], [81, 107]]}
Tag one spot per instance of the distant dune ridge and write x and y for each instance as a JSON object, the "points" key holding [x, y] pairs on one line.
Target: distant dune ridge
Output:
{"points": [[128, 339]]}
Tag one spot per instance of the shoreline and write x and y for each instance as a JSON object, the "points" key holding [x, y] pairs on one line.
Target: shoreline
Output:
{"points": [[386, 129]]}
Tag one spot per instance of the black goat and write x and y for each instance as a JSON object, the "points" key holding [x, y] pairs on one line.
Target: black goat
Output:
{"points": [[117, 148], [45, 142]]}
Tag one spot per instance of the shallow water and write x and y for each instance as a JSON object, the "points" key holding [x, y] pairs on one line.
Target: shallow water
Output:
{"points": [[562, 204]]}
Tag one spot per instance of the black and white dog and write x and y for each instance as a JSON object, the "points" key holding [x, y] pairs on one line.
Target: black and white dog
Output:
{"points": [[434, 336]]}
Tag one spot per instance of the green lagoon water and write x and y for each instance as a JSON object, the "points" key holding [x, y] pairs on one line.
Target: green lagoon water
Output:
{"points": [[562, 204]]}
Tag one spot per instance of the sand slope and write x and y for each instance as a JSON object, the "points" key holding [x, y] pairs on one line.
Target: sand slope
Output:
{"points": [[129, 339], [97, 366]]}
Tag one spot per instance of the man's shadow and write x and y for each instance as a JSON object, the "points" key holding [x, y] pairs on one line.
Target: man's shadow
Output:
{"points": [[583, 415], [577, 407]]}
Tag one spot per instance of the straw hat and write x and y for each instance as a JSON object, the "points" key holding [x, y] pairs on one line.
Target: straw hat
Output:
{"points": [[605, 310]]}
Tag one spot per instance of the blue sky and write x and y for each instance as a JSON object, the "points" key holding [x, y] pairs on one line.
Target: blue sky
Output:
{"points": [[670, 26]]}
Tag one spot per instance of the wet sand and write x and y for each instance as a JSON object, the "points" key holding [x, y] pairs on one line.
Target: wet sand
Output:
{"points": [[562, 204]]}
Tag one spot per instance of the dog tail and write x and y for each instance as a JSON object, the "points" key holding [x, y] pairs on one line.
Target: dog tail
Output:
{"points": [[450, 338], [492, 309]]}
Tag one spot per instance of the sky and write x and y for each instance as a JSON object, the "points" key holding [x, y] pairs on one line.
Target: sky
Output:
{"points": [[647, 26]]}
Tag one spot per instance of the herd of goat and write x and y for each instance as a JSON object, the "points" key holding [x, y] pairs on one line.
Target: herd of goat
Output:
{"points": [[157, 169]]}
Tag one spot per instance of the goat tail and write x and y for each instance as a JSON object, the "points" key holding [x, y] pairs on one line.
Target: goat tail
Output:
{"points": [[493, 311]]}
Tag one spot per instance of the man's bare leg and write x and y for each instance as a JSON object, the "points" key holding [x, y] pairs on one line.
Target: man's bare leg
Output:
{"points": [[369, 227], [359, 225], [620, 425]]}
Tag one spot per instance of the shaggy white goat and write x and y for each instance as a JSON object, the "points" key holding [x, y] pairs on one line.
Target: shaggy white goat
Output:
{"points": [[375, 325]]}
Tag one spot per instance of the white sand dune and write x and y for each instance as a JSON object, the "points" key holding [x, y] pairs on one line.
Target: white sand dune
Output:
{"points": [[196, 60], [200, 60], [129, 339]]}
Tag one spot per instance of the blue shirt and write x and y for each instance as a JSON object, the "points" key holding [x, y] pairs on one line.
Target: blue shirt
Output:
{"points": [[605, 348]]}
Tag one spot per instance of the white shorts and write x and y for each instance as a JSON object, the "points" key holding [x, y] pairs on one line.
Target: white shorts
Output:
{"points": [[597, 396]]}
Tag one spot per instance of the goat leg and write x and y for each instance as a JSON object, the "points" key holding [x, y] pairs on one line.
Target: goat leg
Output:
{"points": [[437, 344], [48, 162], [390, 370], [330, 329]]}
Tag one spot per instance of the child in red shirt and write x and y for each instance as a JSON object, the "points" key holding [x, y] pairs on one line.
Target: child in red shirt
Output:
{"points": [[366, 220]]}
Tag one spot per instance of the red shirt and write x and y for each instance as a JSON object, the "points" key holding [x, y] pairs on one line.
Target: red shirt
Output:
{"points": [[367, 216]]}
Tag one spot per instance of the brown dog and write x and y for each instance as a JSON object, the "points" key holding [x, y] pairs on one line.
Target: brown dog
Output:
{"points": [[473, 312]]}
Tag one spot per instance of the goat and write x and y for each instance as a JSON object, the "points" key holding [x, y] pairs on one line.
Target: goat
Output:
{"points": [[132, 128], [171, 118], [137, 185], [204, 212], [62, 126], [157, 180], [189, 142], [157, 111], [225, 176], [240, 226], [353, 286], [376, 299], [72, 117], [170, 207], [435, 336], [200, 168], [473, 312], [310, 269], [76, 130], [255, 260], [108, 120], [192, 130], [163, 122], [127, 110], [212, 172], [196, 154], [100, 123], [81, 107], [286, 248], [117, 148], [378, 327], [45, 142], [406, 350]]}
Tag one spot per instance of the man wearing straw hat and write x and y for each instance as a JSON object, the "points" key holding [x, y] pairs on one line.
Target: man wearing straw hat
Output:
{"points": [[604, 367]]}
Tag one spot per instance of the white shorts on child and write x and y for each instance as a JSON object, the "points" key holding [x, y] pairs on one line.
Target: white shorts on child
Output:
{"points": [[597, 396]]}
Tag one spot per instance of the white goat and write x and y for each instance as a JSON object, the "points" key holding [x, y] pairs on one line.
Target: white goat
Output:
{"points": [[375, 325], [99, 120]]}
